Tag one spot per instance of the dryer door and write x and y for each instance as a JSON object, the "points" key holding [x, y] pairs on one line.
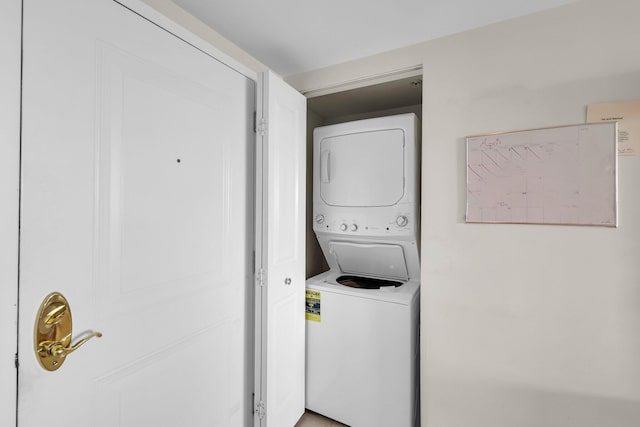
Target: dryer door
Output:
{"points": [[363, 169]]}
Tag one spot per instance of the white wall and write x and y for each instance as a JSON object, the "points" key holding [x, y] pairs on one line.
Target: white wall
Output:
{"points": [[529, 325], [9, 174], [523, 325]]}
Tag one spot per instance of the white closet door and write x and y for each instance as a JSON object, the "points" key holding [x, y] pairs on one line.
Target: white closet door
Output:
{"points": [[137, 160], [280, 253]]}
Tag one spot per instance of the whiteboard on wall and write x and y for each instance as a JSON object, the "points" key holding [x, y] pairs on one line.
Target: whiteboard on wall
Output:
{"points": [[560, 175]]}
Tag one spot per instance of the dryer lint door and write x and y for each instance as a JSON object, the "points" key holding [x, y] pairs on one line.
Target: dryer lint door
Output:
{"points": [[363, 169]]}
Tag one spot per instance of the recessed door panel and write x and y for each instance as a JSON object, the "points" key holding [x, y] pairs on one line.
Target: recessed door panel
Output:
{"points": [[286, 194], [181, 384]]}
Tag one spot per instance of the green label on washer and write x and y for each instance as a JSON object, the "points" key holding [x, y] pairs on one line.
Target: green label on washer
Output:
{"points": [[312, 306]]}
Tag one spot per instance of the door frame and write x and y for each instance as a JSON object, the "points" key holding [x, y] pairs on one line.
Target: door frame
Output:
{"points": [[10, 135], [10, 79]]}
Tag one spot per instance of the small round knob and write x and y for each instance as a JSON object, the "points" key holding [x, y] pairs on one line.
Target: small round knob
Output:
{"points": [[343, 227], [354, 227], [402, 220], [319, 218]]}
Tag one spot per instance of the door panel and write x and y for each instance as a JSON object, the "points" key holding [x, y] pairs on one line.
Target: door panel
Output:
{"points": [[280, 253], [137, 162]]}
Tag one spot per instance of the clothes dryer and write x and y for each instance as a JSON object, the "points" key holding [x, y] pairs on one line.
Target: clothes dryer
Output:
{"points": [[366, 185]]}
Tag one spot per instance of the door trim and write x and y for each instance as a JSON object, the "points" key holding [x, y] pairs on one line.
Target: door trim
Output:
{"points": [[152, 15], [10, 47]]}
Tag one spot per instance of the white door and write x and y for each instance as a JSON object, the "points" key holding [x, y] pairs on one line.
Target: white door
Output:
{"points": [[137, 206], [280, 233]]}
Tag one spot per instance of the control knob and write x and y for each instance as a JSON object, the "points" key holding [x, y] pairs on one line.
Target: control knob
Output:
{"points": [[343, 227], [354, 227], [319, 218], [402, 221]]}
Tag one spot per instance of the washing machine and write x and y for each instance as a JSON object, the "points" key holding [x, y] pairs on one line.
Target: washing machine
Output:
{"points": [[362, 315], [362, 353]]}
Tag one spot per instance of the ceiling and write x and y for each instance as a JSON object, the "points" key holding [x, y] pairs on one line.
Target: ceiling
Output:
{"points": [[294, 36]]}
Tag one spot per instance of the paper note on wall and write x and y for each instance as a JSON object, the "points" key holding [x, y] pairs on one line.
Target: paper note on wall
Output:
{"points": [[561, 175], [627, 114]]}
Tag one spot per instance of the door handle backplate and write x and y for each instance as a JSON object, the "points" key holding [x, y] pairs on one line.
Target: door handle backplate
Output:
{"points": [[53, 330]]}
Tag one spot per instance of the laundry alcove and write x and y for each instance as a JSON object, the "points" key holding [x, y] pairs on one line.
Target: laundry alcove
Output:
{"points": [[402, 95]]}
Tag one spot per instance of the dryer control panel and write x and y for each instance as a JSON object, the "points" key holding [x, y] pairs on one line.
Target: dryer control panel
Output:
{"points": [[399, 223]]}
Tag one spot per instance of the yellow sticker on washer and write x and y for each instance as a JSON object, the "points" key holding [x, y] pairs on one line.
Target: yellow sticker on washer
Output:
{"points": [[312, 306]]}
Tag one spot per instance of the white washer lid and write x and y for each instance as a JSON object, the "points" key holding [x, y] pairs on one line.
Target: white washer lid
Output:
{"points": [[375, 260]]}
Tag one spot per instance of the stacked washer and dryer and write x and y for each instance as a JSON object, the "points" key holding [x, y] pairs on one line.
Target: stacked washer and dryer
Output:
{"points": [[362, 314]]}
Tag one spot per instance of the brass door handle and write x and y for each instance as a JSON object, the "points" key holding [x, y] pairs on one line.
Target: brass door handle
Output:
{"points": [[58, 349], [53, 329]]}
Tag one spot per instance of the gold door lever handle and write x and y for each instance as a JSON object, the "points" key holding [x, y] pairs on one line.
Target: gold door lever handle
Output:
{"points": [[57, 349], [52, 340]]}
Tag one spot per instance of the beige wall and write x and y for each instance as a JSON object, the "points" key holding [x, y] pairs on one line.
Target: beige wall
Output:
{"points": [[523, 325], [529, 325]]}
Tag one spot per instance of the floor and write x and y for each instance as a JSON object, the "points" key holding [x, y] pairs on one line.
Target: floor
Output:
{"points": [[311, 419]]}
